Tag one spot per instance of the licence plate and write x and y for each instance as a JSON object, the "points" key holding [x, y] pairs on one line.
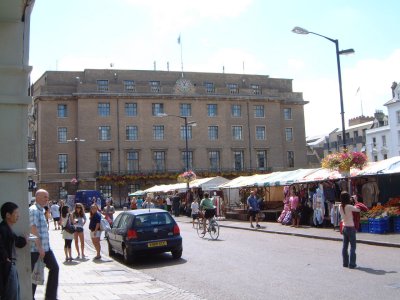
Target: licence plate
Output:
{"points": [[157, 244]]}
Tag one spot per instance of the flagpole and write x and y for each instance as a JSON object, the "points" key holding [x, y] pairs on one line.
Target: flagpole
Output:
{"points": [[180, 43]]}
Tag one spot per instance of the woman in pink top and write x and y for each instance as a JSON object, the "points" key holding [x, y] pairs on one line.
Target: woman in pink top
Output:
{"points": [[294, 207], [349, 231]]}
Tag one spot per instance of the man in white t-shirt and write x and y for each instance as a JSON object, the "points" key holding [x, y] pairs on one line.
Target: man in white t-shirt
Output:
{"points": [[55, 213], [195, 210]]}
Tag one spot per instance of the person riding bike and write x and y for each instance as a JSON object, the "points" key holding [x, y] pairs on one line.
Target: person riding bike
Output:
{"points": [[208, 205]]}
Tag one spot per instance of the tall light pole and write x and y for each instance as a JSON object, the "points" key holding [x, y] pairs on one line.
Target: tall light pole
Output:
{"points": [[186, 134], [76, 141], [300, 30]]}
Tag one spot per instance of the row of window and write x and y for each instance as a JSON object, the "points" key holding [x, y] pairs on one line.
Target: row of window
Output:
{"points": [[155, 87], [132, 133], [159, 161], [131, 110]]}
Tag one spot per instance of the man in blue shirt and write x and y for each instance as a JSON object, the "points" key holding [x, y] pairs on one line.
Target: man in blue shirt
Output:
{"points": [[253, 208], [41, 246]]}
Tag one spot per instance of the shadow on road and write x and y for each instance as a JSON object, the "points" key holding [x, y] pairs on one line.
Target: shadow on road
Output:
{"points": [[153, 261], [375, 272]]}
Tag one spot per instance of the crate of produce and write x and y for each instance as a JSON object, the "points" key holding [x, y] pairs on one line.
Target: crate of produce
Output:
{"points": [[396, 224], [378, 226]]}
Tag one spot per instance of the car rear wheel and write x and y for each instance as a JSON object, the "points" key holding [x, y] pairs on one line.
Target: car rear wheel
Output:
{"points": [[176, 254], [111, 252], [128, 258]]}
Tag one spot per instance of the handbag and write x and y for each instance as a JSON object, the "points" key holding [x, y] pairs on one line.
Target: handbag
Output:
{"points": [[68, 226], [38, 272]]}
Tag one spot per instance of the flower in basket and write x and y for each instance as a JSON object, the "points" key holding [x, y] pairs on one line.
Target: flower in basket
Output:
{"points": [[345, 160], [74, 180], [187, 176]]}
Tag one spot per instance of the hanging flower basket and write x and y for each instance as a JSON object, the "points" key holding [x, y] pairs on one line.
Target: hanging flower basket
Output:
{"points": [[343, 161], [74, 181], [187, 176]]}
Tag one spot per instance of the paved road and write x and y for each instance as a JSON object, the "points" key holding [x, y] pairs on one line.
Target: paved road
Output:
{"points": [[256, 265]]}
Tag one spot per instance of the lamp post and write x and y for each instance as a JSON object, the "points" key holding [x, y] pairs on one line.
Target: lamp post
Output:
{"points": [[192, 123], [76, 141], [300, 30]]}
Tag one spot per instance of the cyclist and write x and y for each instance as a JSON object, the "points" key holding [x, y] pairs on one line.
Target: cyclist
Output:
{"points": [[207, 204]]}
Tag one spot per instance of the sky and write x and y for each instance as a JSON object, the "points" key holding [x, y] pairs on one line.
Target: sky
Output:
{"points": [[241, 36]]}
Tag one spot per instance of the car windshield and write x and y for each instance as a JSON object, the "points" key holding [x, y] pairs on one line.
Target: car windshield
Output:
{"points": [[152, 219]]}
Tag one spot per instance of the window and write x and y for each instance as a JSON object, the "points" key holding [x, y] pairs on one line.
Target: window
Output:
{"points": [[290, 159], [355, 134], [105, 162], [183, 132], [159, 161], [213, 133], [185, 110], [133, 188], [104, 133], [155, 86], [157, 109], [398, 138], [158, 132], [132, 162], [233, 88], [209, 87], [384, 140], [62, 110], [259, 111], [62, 134], [287, 113], [103, 109], [375, 158], [106, 190], [102, 85], [212, 110], [373, 142], [62, 163], [398, 116], [238, 157], [189, 158], [256, 89], [214, 160], [236, 110], [131, 109], [260, 132], [385, 156], [131, 133], [62, 192], [289, 134], [129, 86], [237, 133], [262, 160]]}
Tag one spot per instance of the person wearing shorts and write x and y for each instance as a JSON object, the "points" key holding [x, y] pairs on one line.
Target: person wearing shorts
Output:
{"points": [[252, 204], [208, 205], [94, 227], [55, 213], [195, 211]]}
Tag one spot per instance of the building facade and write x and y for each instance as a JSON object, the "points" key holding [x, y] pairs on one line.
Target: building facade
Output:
{"points": [[355, 136], [121, 130]]}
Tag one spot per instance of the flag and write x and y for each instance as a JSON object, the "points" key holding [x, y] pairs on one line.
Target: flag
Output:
{"points": [[179, 39], [358, 90]]}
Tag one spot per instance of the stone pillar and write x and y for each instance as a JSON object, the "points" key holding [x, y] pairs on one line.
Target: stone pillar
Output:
{"points": [[14, 101]]}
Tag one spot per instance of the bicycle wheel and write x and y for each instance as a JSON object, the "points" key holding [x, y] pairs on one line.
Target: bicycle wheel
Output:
{"points": [[200, 229], [214, 229]]}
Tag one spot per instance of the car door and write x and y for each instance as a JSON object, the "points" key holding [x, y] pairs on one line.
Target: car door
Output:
{"points": [[120, 231], [111, 234]]}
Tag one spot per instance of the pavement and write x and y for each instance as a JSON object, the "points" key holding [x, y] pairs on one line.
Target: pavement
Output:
{"points": [[108, 279]]}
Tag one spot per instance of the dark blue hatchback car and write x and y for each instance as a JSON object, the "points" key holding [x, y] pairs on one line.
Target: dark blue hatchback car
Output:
{"points": [[143, 231]]}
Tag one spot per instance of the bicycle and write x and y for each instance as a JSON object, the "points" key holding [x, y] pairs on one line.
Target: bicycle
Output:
{"points": [[212, 228]]}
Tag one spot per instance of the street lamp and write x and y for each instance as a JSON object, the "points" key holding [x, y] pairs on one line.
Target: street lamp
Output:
{"points": [[300, 30], [76, 141], [192, 123]]}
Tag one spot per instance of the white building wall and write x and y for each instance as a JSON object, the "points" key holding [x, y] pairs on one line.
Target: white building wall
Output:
{"points": [[394, 122], [377, 143]]}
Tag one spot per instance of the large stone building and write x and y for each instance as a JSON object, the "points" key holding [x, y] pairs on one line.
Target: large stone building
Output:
{"points": [[121, 130]]}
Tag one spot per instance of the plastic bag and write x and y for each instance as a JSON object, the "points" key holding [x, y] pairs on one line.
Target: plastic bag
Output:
{"points": [[38, 272], [104, 225]]}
